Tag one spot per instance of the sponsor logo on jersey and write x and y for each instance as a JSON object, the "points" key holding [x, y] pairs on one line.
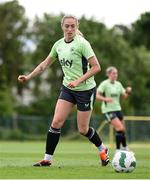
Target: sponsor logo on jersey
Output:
{"points": [[65, 62], [114, 95]]}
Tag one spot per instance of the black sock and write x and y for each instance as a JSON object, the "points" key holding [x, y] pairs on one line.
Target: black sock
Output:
{"points": [[52, 140], [93, 137], [124, 143], [119, 138]]}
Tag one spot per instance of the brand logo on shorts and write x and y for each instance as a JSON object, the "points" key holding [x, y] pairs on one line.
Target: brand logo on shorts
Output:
{"points": [[86, 105], [111, 115]]}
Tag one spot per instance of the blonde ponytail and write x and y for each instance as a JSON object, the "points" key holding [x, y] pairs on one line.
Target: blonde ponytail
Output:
{"points": [[79, 32]]}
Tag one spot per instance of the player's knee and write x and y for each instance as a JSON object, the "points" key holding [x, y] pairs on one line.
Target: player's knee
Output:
{"points": [[120, 128], [83, 131], [57, 123]]}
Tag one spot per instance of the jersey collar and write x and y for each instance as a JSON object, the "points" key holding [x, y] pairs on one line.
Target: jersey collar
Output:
{"points": [[68, 41], [112, 82]]}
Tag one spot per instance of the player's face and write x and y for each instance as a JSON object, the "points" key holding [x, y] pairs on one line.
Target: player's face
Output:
{"points": [[113, 75], [69, 28]]}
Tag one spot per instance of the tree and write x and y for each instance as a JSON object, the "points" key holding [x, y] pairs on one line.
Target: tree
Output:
{"points": [[45, 88], [12, 35], [140, 31]]}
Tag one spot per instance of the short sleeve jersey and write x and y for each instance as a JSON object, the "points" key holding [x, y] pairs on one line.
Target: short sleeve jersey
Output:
{"points": [[113, 90], [73, 57]]}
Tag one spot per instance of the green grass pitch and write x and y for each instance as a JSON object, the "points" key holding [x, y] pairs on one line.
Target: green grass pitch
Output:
{"points": [[72, 160]]}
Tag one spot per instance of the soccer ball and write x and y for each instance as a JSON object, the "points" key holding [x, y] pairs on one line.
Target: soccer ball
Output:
{"points": [[124, 161]]}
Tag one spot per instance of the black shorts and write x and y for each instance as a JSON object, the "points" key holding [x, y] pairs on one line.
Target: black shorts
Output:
{"points": [[114, 114], [83, 99]]}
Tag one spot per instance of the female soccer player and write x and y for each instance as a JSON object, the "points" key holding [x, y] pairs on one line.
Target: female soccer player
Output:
{"points": [[79, 65], [109, 92]]}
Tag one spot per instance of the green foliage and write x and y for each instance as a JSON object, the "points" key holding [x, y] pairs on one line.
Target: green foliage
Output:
{"points": [[15, 134], [12, 34], [6, 103], [44, 33], [140, 31], [119, 46]]}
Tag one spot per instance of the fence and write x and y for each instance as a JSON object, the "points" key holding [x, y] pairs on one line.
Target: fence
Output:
{"points": [[36, 127], [143, 131]]}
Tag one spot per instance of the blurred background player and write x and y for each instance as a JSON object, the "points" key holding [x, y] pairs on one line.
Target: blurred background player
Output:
{"points": [[109, 92], [79, 65]]}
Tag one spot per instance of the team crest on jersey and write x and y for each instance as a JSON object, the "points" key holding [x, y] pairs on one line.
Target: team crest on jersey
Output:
{"points": [[72, 49], [59, 50]]}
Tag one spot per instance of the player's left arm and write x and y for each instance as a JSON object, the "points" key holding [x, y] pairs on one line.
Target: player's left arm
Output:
{"points": [[95, 68], [127, 92]]}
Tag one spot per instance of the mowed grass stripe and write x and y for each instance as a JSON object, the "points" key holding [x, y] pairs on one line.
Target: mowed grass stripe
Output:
{"points": [[72, 160]]}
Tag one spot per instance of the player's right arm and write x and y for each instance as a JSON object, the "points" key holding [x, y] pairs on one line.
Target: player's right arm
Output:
{"points": [[100, 91], [38, 70], [100, 97]]}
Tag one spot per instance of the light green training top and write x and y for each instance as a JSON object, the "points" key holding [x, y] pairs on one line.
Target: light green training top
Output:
{"points": [[73, 57], [113, 90]]}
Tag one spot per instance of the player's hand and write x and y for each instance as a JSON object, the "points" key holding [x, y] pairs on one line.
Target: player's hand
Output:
{"points": [[73, 84], [23, 78], [128, 89], [108, 99]]}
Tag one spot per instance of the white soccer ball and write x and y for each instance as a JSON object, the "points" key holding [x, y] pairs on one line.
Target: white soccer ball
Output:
{"points": [[124, 161]]}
